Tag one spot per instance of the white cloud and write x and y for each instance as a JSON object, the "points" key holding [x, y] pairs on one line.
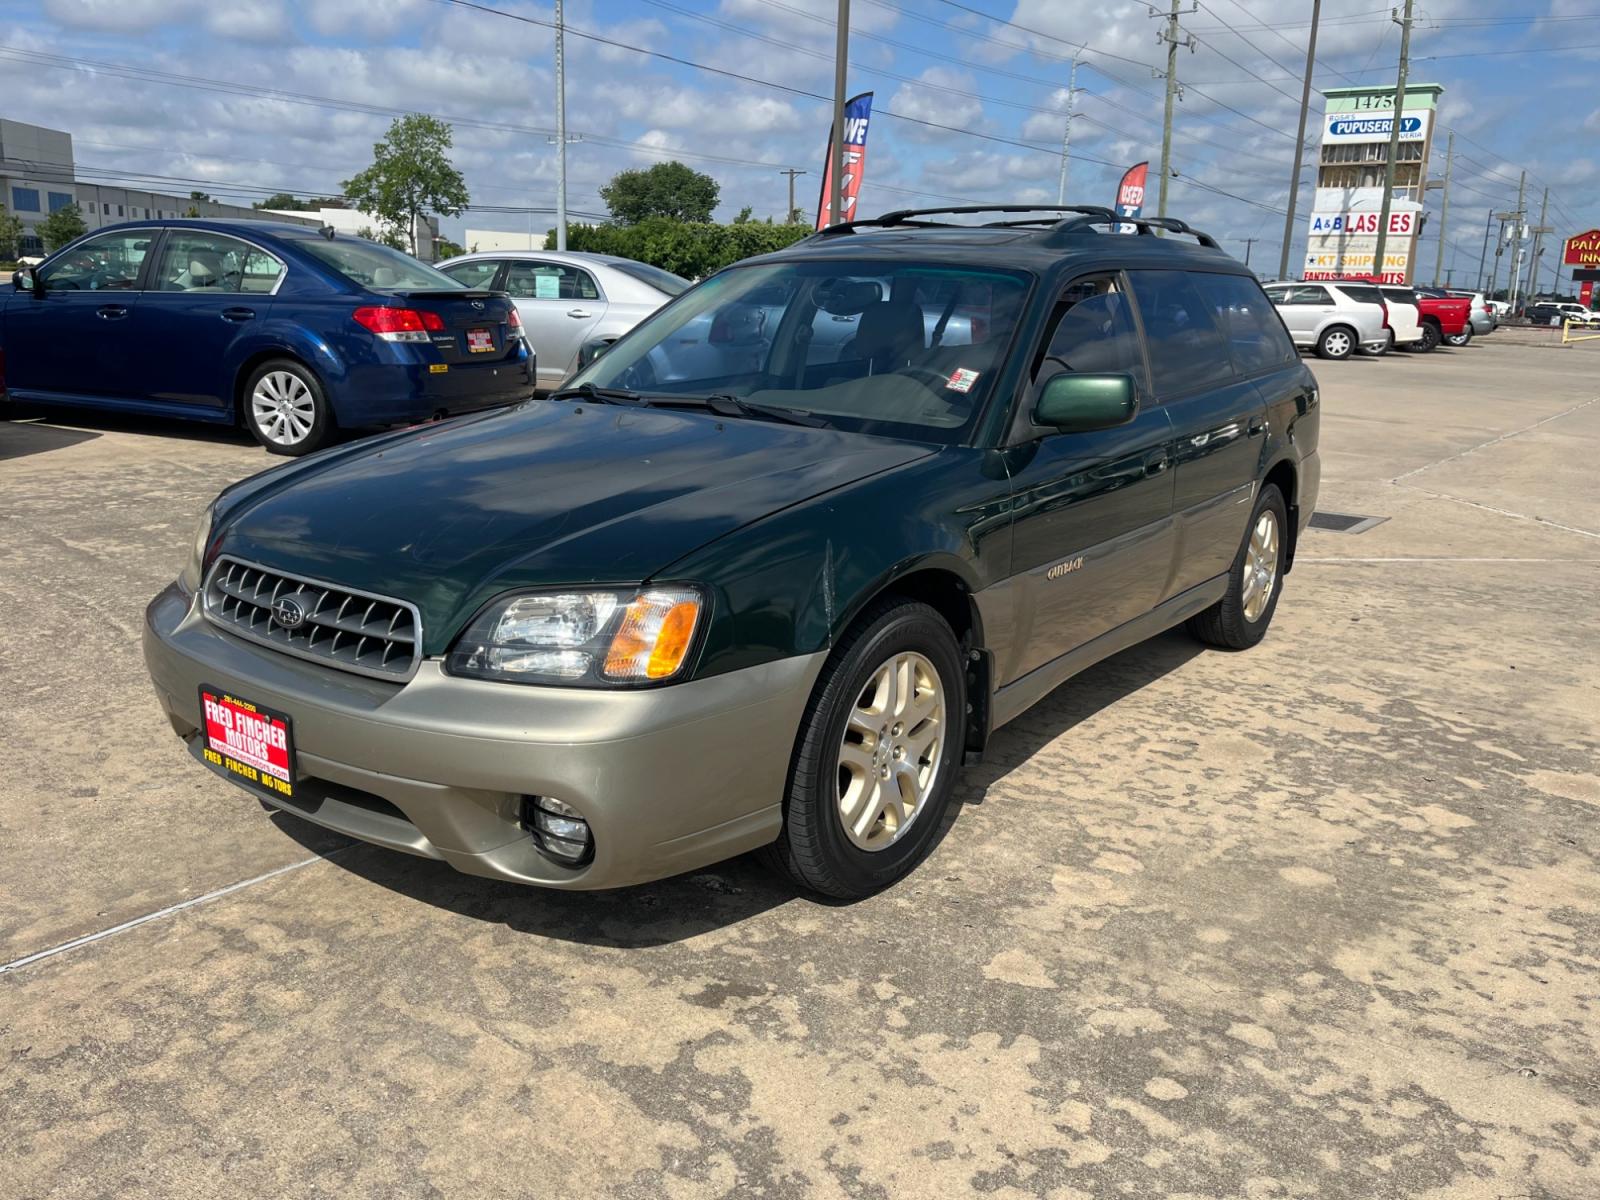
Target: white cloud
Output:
{"points": [[925, 101]]}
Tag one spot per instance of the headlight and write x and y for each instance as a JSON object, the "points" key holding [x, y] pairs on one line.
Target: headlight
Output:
{"points": [[588, 637], [194, 569]]}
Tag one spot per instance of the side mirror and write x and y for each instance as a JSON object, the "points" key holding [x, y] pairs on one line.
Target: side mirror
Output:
{"points": [[1072, 403], [592, 349], [25, 280]]}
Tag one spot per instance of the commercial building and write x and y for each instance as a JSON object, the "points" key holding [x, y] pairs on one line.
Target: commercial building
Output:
{"points": [[38, 176], [1342, 235]]}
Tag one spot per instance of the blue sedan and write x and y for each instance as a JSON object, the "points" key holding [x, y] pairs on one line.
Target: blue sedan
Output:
{"points": [[290, 330]]}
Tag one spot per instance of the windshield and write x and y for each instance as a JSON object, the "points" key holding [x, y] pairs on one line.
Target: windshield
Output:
{"points": [[377, 267], [902, 349]]}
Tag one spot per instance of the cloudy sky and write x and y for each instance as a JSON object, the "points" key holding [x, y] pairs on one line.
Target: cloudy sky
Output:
{"points": [[248, 97]]}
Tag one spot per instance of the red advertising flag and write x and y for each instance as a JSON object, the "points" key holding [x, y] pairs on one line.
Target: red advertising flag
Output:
{"points": [[857, 113], [1130, 194]]}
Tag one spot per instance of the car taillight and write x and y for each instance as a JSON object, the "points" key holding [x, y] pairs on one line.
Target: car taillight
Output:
{"points": [[399, 324], [514, 323]]}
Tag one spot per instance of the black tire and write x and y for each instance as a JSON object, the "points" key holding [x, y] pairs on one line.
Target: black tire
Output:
{"points": [[814, 849], [1430, 339], [1224, 624], [1337, 342], [311, 406], [1459, 339]]}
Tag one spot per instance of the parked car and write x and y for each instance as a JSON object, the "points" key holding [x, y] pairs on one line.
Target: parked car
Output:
{"points": [[644, 625], [1445, 318], [1577, 314], [1500, 308], [1545, 314], [1406, 326], [569, 300], [1326, 318], [290, 330], [1483, 317]]}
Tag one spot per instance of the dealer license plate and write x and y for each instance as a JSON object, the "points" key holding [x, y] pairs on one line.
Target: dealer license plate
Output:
{"points": [[480, 341], [247, 743]]}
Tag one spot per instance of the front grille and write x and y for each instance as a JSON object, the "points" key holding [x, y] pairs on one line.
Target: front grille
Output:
{"points": [[339, 626]]}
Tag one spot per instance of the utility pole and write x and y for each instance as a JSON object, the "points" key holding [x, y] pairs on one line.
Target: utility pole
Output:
{"points": [[1538, 231], [1444, 206], [791, 172], [1299, 141], [1394, 142], [561, 130], [1248, 242], [1483, 259], [1519, 226], [841, 62], [1066, 134], [1169, 35], [1500, 249]]}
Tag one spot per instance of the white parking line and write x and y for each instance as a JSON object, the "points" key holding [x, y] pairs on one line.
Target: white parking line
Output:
{"points": [[1497, 440], [1440, 558], [26, 960]]}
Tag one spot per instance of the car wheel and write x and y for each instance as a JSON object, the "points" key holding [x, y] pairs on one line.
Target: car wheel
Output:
{"points": [[285, 408], [878, 749], [1459, 339], [1336, 342], [1240, 619], [1429, 341]]}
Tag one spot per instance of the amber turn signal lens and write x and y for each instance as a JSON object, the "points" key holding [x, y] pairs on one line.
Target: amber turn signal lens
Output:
{"points": [[653, 640]]}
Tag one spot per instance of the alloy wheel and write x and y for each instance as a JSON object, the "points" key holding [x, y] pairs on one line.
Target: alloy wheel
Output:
{"points": [[283, 408], [1337, 343], [1260, 566], [890, 755]]}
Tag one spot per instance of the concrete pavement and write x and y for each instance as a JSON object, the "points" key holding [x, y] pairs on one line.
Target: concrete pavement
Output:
{"points": [[1320, 919]]}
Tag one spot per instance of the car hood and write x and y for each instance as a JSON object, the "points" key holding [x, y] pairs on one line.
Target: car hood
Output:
{"points": [[548, 493]]}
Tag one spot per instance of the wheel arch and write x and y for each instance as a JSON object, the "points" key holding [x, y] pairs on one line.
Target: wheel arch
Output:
{"points": [[1285, 476], [265, 354], [1339, 323]]}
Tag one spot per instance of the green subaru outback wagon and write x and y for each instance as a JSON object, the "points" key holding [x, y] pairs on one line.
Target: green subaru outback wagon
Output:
{"points": [[769, 568]]}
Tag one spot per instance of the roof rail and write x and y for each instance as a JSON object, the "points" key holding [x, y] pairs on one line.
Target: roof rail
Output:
{"points": [[1145, 226], [909, 216]]}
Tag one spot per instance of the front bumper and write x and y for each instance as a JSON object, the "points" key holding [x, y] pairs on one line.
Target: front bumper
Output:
{"points": [[669, 779]]}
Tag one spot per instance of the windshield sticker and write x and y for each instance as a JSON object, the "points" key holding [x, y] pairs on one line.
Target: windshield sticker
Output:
{"points": [[961, 380]]}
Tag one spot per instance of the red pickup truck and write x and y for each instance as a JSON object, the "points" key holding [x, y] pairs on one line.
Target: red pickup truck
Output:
{"points": [[1442, 317]]}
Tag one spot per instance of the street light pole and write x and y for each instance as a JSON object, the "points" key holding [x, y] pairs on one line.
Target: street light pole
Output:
{"points": [[841, 62], [1299, 141], [1483, 259], [1444, 206], [1394, 145], [1170, 36]]}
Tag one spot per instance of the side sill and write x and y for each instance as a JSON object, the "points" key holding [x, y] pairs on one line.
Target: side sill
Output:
{"points": [[1017, 697]]}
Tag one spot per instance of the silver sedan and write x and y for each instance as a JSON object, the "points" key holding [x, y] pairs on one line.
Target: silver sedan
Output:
{"points": [[568, 299]]}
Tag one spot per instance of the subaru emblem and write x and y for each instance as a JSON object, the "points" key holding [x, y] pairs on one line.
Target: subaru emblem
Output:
{"points": [[288, 612], [478, 304]]}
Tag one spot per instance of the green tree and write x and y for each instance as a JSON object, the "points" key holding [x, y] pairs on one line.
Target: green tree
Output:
{"points": [[10, 235], [744, 215], [285, 201], [667, 189], [410, 175], [62, 226], [192, 211], [206, 196], [387, 236], [449, 249]]}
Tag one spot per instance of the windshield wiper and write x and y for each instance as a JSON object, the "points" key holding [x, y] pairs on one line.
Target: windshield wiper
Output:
{"points": [[600, 395], [728, 405]]}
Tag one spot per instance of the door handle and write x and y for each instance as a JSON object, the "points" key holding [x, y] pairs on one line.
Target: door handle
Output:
{"points": [[111, 312], [1257, 425], [1156, 465], [238, 314], [577, 312]]}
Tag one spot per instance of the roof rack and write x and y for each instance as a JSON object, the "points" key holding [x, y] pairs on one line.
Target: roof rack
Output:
{"points": [[1085, 217]]}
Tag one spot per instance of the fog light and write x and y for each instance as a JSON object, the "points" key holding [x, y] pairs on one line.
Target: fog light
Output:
{"points": [[560, 830]]}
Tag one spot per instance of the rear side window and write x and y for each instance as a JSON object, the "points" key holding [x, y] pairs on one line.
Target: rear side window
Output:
{"points": [[550, 281], [1362, 293], [1309, 295], [663, 281], [1187, 350], [1255, 335]]}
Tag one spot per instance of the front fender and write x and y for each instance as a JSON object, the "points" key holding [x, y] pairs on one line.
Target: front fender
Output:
{"points": [[792, 582]]}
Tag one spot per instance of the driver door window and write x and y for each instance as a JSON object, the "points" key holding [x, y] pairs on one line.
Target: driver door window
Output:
{"points": [[110, 262]]}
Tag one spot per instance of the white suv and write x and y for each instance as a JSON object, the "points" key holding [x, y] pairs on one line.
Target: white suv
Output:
{"points": [[1324, 317]]}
